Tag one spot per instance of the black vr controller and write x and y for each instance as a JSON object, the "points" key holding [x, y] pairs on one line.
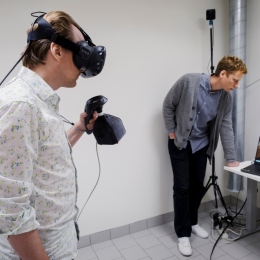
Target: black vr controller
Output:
{"points": [[107, 129]]}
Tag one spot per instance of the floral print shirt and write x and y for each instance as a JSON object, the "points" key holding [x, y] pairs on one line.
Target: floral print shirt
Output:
{"points": [[38, 186]]}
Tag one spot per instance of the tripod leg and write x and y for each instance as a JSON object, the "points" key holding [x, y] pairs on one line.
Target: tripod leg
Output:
{"points": [[215, 194], [229, 218]]}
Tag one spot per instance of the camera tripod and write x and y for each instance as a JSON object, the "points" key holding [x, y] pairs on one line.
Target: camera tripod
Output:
{"points": [[217, 192]]}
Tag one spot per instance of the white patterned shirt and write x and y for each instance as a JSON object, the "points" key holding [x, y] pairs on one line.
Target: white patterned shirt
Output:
{"points": [[38, 188]]}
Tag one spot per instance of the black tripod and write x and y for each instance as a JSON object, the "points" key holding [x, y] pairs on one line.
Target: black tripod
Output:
{"points": [[210, 15], [213, 182], [211, 46]]}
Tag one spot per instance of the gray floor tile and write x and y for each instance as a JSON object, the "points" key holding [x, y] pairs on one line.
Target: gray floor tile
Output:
{"points": [[225, 257], [250, 257], [172, 258], [108, 253], [134, 253], [206, 250], [143, 233], [124, 242], [255, 248], [148, 241], [176, 252], [102, 245], [236, 250], [169, 241], [161, 231], [199, 257], [248, 240], [160, 242], [86, 253], [159, 252], [197, 241]]}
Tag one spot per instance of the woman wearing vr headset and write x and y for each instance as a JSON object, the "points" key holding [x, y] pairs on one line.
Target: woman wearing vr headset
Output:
{"points": [[37, 175]]}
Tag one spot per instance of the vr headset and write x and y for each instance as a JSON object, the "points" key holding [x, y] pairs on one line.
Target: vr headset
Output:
{"points": [[87, 57]]}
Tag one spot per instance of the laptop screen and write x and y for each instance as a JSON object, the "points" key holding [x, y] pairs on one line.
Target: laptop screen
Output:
{"points": [[257, 156]]}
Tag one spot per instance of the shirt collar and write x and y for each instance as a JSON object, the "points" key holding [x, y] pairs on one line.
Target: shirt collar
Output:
{"points": [[205, 83], [39, 86]]}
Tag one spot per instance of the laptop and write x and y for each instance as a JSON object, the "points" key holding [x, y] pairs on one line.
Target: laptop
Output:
{"points": [[254, 168]]}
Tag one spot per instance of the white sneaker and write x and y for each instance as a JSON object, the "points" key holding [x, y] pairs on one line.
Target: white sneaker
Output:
{"points": [[184, 246], [199, 231]]}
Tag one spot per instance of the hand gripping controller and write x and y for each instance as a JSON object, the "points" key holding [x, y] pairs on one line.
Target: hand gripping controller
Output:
{"points": [[93, 104]]}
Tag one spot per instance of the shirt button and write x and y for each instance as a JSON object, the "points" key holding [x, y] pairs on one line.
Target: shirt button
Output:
{"points": [[191, 119], [193, 108], [184, 139], [188, 130]]}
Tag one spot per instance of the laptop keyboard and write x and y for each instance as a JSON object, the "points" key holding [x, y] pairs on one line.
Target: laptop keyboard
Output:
{"points": [[252, 169]]}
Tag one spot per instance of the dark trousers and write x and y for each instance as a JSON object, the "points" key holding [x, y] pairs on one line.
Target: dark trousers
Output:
{"points": [[188, 189]]}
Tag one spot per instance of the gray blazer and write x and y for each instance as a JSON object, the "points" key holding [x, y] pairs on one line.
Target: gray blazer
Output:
{"points": [[179, 109]]}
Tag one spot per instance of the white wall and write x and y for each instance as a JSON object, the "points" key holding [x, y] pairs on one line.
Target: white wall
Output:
{"points": [[150, 44], [252, 122]]}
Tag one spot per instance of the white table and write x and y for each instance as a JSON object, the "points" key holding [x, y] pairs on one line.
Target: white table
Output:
{"points": [[251, 204]]}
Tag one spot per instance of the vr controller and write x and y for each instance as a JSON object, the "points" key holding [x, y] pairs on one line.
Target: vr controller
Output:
{"points": [[107, 129]]}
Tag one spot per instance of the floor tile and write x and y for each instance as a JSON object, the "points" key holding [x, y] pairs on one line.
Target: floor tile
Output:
{"points": [[255, 248], [161, 231], [199, 257], [250, 257], [206, 250], [86, 253], [236, 250], [248, 240], [169, 241], [108, 253], [124, 242], [176, 252], [143, 233], [160, 243], [225, 257], [102, 245], [133, 253], [159, 252], [148, 241], [197, 241]]}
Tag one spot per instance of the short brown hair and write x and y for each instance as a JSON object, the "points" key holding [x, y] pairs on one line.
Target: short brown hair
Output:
{"points": [[230, 64], [61, 22]]}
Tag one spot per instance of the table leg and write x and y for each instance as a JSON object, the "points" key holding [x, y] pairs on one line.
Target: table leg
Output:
{"points": [[251, 205]]}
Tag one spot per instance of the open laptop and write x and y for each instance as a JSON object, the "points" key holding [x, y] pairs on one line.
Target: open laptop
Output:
{"points": [[254, 168]]}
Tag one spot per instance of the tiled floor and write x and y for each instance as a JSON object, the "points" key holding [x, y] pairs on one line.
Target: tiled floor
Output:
{"points": [[160, 243]]}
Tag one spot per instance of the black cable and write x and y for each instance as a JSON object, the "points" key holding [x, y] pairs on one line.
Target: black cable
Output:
{"points": [[226, 229], [66, 120], [94, 186], [12, 68], [71, 123]]}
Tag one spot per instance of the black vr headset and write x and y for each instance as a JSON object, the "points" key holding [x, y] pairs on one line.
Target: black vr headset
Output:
{"points": [[87, 57]]}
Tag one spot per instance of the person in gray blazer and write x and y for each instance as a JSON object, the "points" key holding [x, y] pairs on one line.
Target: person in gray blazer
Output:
{"points": [[196, 110]]}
